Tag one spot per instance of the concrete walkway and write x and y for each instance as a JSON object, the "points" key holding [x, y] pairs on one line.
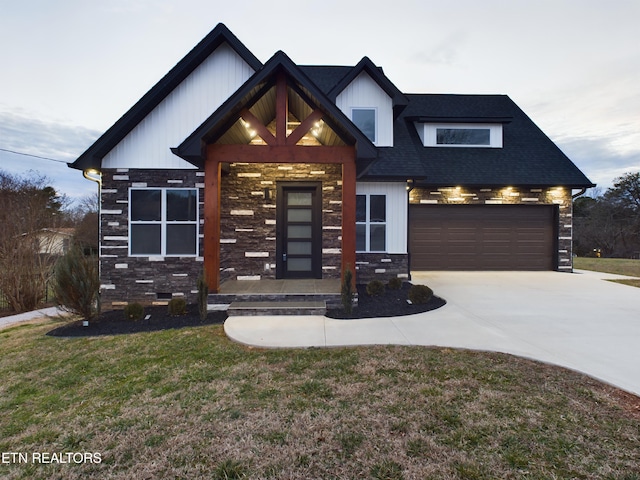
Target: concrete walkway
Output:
{"points": [[30, 316], [578, 321]]}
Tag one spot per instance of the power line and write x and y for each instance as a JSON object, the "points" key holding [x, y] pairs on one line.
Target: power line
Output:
{"points": [[34, 156]]}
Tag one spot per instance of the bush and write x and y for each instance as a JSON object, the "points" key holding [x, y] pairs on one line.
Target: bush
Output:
{"points": [[346, 291], [395, 283], [177, 307], [203, 296], [375, 288], [419, 294], [77, 283], [133, 312]]}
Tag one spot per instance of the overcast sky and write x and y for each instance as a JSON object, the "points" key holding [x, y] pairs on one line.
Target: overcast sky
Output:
{"points": [[71, 68]]}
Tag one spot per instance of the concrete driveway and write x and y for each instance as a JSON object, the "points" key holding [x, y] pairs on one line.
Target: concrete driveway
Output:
{"points": [[579, 321]]}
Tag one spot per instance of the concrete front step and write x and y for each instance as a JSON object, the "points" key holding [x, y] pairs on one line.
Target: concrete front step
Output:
{"points": [[277, 307]]}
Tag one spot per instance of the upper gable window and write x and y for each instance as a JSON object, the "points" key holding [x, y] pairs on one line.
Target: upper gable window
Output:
{"points": [[460, 135], [365, 120]]}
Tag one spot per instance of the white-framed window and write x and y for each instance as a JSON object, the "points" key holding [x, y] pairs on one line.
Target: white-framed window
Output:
{"points": [[366, 120], [163, 222], [371, 223], [460, 135]]}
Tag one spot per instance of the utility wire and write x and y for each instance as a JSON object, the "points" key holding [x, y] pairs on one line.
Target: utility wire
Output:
{"points": [[29, 155]]}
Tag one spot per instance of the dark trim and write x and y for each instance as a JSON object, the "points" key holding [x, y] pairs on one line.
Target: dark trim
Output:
{"points": [[92, 157], [441, 119]]}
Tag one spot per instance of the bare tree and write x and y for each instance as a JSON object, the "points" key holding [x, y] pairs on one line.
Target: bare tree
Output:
{"points": [[28, 206]]}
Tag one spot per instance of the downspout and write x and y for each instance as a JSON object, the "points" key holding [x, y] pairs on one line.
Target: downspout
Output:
{"points": [[96, 176], [581, 192], [411, 184]]}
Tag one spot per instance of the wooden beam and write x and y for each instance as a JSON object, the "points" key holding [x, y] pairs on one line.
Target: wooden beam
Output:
{"points": [[258, 126], [349, 218], [281, 154], [304, 127], [212, 220], [282, 109]]}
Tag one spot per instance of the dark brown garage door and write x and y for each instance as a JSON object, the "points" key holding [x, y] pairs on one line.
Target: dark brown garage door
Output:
{"points": [[482, 237]]}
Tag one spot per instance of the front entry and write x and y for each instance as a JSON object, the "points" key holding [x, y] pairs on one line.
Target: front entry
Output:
{"points": [[299, 230]]}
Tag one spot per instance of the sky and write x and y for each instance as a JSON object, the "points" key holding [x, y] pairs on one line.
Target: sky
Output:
{"points": [[71, 68]]}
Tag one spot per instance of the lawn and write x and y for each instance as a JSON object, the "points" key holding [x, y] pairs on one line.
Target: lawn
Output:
{"points": [[620, 266], [189, 403]]}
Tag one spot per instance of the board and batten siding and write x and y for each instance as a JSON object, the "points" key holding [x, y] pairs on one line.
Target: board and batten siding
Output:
{"points": [[364, 92], [180, 113], [397, 211]]}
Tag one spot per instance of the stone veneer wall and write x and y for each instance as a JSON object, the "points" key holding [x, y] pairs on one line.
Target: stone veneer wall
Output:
{"points": [[381, 266], [148, 280], [511, 195], [248, 222]]}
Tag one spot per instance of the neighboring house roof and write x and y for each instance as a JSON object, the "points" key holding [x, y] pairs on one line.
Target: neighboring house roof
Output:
{"points": [[527, 157], [92, 157]]}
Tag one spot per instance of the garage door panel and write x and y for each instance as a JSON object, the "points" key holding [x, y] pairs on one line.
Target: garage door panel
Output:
{"points": [[482, 237]]}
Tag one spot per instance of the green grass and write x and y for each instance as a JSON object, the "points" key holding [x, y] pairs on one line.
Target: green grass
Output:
{"points": [[619, 266], [191, 404]]}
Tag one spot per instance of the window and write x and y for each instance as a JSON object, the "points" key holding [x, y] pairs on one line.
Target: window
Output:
{"points": [[371, 223], [460, 135], [463, 136], [365, 120], [163, 222]]}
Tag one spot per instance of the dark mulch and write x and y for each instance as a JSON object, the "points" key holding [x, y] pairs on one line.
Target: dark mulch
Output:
{"points": [[392, 303], [113, 322]]}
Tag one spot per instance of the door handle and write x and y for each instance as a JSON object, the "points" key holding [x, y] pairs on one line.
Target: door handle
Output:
{"points": [[284, 257]]}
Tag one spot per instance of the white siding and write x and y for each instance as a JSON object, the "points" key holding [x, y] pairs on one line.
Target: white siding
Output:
{"points": [[180, 113], [363, 92], [397, 211]]}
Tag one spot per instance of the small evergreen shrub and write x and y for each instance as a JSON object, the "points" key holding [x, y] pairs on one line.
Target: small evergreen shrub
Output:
{"points": [[177, 307], [346, 291], [395, 283], [203, 296], [375, 288], [133, 312], [419, 294]]}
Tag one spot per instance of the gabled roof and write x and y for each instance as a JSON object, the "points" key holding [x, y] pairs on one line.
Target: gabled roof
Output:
{"points": [[92, 157], [398, 99], [528, 156], [229, 111]]}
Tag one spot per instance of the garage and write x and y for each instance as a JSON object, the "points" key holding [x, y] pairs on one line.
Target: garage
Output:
{"points": [[482, 237]]}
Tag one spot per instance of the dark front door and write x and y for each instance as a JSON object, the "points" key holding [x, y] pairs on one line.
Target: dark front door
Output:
{"points": [[299, 230]]}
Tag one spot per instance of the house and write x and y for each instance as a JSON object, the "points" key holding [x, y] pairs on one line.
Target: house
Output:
{"points": [[252, 171], [51, 241]]}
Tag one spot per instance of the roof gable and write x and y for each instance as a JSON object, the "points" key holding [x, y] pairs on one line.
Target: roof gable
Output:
{"points": [[366, 65], [254, 89], [92, 157]]}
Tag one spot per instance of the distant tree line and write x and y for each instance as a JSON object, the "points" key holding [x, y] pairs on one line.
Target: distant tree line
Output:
{"points": [[28, 207], [609, 224]]}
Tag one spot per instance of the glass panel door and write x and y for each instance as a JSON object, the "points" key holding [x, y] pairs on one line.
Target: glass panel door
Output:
{"points": [[299, 233]]}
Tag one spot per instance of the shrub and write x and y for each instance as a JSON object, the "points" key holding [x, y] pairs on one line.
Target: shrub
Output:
{"points": [[134, 312], [346, 291], [420, 294], [375, 288], [395, 283], [203, 296], [77, 283], [177, 307]]}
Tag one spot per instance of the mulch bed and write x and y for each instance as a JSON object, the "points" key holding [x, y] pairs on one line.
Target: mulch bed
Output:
{"points": [[392, 303]]}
